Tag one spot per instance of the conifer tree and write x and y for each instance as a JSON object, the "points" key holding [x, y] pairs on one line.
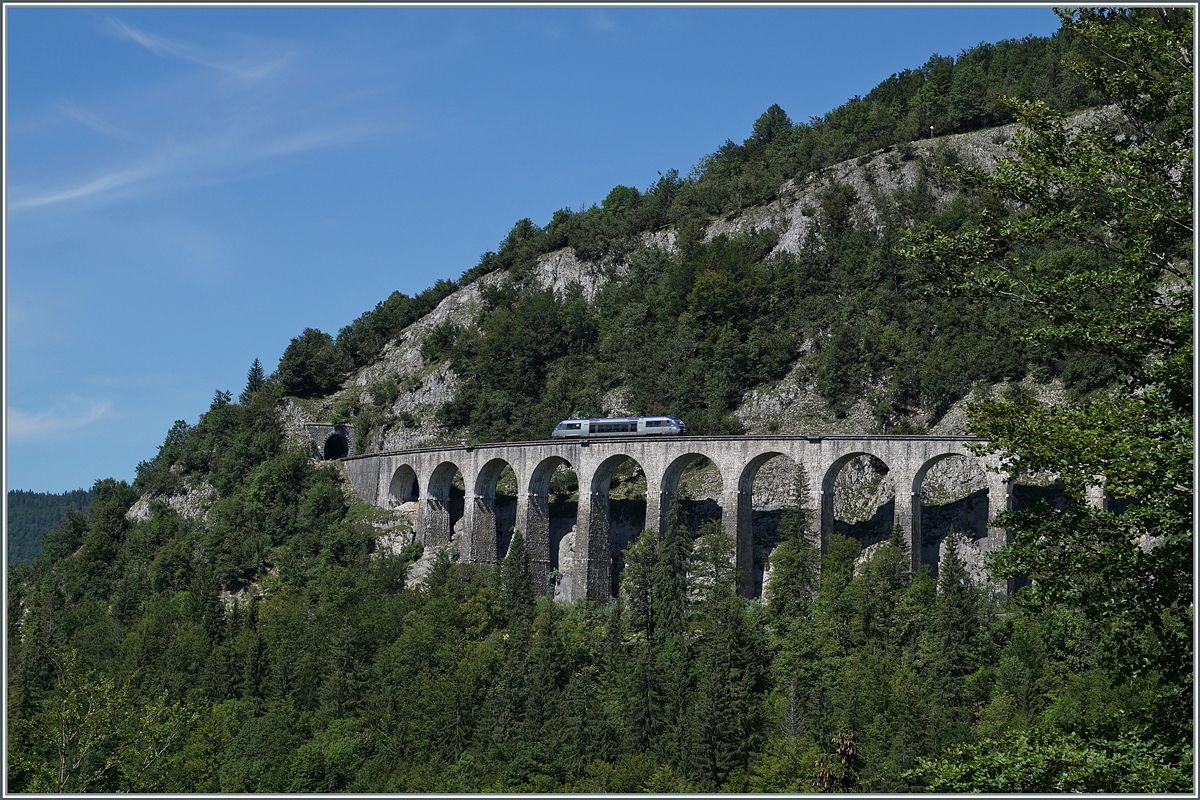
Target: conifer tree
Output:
{"points": [[220, 400], [255, 379], [643, 698], [670, 573], [959, 614], [949, 649], [637, 582], [516, 582], [795, 563]]}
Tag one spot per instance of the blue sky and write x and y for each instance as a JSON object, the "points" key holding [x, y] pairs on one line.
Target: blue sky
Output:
{"points": [[189, 188]]}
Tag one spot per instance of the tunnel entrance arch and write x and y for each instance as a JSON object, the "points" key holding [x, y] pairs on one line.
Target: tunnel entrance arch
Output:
{"points": [[336, 446], [330, 442]]}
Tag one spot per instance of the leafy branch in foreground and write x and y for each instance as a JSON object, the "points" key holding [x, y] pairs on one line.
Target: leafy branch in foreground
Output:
{"points": [[1088, 222], [96, 739], [1042, 761]]}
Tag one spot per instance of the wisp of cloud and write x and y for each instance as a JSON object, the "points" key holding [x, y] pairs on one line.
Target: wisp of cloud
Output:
{"points": [[46, 424]]}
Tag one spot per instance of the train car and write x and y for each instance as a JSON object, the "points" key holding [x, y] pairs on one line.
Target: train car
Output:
{"points": [[618, 426]]}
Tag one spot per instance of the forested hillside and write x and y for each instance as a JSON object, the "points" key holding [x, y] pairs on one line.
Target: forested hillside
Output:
{"points": [[233, 620], [32, 514], [838, 302]]}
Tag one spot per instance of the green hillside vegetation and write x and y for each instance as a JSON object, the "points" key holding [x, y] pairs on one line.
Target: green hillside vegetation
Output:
{"points": [[272, 646], [688, 334], [32, 514], [951, 95]]}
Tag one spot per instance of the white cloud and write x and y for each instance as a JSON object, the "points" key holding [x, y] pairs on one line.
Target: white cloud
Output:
{"points": [[201, 128], [97, 124], [253, 68], [319, 137], [22, 426], [104, 183]]}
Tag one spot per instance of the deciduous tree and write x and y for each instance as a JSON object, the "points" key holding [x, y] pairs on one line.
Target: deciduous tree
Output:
{"points": [[1093, 232]]}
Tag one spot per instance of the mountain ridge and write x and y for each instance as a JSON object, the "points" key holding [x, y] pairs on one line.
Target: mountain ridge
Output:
{"points": [[425, 384]]}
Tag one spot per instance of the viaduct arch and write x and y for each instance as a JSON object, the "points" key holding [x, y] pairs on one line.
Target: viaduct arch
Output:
{"points": [[389, 479]]}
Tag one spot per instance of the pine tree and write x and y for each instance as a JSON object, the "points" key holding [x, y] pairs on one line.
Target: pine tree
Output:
{"points": [[516, 583], [670, 574], [643, 698], [220, 400], [951, 646], [255, 379], [795, 564], [958, 619], [637, 582]]}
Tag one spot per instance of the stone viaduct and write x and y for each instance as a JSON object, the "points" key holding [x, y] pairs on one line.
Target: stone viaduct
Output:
{"points": [[389, 479]]}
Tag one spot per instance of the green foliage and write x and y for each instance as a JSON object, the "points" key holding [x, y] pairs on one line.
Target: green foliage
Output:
{"points": [[516, 582], [255, 380], [946, 94], [686, 333], [311, 364], [95, 739], [323, 671], [752, 341], [32, 514], [1091, 228], [362, 340], [1121, 286], [523, 365], [1053, 761]]}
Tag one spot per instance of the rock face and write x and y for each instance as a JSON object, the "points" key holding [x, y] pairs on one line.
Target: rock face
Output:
{"points": [[568, 579], [871, 176], [396, 529], [791, 405], [192, 505]]}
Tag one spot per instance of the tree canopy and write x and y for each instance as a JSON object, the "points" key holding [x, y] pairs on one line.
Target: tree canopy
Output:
{"points": [[1091, 229]]}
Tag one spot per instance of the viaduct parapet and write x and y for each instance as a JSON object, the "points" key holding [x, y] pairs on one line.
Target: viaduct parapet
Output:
{"points": [[390, 479]]}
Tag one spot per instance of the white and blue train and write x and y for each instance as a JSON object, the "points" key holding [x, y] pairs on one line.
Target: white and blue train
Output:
{"points": [[618, 426]]}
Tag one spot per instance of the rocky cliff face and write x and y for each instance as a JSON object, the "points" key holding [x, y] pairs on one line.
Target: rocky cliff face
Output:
{"points": [[792, 405]]}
